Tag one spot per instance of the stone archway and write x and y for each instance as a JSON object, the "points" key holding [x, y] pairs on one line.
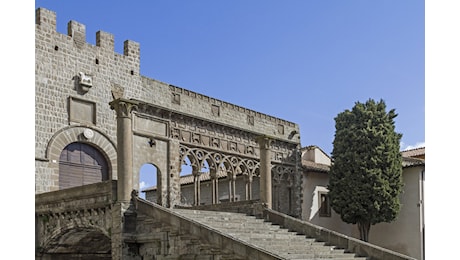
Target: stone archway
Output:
{"points": [[80, 164], [222, 168], [148, 181], [90, 136], [78, 243]]}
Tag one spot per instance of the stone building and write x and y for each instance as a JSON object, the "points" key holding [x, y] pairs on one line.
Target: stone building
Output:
{"points": [[97, 121], [78, 87], [404, 235]]}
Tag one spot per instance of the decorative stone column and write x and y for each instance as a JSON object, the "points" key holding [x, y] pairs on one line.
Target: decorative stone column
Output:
{"points": [[196, 186], [265, 171], [248, 182], [214, 186], [124, 108]]}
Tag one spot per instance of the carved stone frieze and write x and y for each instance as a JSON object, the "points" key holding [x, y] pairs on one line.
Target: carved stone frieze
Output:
{"points": [[206, 133], [54, 222]]}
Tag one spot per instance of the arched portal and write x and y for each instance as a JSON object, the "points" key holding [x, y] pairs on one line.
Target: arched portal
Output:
{"points": [[148, 180], [78, 243], [81, 164]]}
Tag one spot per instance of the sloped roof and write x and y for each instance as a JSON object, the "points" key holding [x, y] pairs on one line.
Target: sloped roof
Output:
{"points": [[316, 167], [411, 158], [411, 162], [416, 152], [188, 179], [311, 147]]}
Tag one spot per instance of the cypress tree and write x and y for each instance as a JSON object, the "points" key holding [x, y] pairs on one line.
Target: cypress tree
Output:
{"points": [[366, 173]]}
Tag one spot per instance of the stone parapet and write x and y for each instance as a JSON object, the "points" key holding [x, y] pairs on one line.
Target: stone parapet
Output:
{"points": [[205, 234], [351, 244]]}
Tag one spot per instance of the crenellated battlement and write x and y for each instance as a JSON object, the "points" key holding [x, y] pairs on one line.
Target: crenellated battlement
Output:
{"points": [[46, 20]]}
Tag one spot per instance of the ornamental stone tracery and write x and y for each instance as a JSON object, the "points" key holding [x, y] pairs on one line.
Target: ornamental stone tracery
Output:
{"points": [[227, 152], [229, 164]]}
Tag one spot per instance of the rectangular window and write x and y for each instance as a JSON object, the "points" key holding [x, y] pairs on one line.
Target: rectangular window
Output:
{"points": [[325, 207]]}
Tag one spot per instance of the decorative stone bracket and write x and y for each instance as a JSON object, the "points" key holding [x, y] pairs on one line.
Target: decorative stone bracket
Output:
{"points": [[85, 81]]}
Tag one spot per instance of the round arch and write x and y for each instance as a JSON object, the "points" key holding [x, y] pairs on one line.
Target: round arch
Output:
{"points": [[86, 242], [82, 134], [80, 164], [149, 177]]}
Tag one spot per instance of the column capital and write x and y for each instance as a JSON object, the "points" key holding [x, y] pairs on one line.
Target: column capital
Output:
{"points": [[264, 141], [123, 107]]}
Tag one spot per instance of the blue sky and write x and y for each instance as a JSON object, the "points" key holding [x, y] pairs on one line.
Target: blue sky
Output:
{"points": [[317, 56], [303, 61]]}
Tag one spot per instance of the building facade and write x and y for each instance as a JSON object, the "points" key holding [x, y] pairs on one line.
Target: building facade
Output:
{"points": [[85, 92], [98, 121], [404, 235]]}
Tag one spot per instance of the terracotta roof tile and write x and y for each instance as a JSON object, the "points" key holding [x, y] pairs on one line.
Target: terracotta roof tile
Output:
{"points": [[410, 162], [188, 179], [416, 152], [312, 166]]}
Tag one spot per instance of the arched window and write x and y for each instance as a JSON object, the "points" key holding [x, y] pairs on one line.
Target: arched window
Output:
{"points": [[81, 164]]}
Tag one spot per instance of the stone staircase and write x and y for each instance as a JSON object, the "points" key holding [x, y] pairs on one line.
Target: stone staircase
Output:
{"points": [[156, 238], [266, 236]]}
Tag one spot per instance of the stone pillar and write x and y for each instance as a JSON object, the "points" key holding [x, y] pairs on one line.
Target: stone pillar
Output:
{"points": [[196, 185], [214, 186], [174, 189], [124, 108], [265, 171], [248, 182]]}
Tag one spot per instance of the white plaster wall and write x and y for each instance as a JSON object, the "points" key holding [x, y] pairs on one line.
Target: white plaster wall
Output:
{"points": [[404, 235], [316, 155], [312, 184]]}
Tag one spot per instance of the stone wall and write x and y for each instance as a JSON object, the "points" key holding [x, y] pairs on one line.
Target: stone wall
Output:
{"points": [[61, 102], [75, 83]]}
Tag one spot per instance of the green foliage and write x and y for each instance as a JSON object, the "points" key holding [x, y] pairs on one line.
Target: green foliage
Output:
{"points": [[366, 174]]}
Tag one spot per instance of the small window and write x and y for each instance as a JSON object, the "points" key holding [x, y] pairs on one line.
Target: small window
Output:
{"points": [[325, 207]]}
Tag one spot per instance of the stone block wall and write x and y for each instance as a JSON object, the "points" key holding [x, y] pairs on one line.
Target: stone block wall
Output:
{"points": [[60, 101], [75, 81]]}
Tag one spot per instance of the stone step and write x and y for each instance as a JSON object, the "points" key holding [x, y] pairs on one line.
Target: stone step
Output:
{"points": [[235, 219], [316, 257], [299, 240], [291, 244], [297, 249], [272, 238], [232, 227], [209, 257], [217, 214], [309, 251], [262, 235]]}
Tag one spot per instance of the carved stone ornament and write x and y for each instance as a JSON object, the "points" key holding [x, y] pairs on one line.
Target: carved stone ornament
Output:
{"points": [[117, 91], [123, 107], [88, 133], [85, 81]]}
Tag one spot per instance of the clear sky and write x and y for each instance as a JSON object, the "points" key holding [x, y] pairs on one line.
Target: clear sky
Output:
{"points": [[302, 61]]}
